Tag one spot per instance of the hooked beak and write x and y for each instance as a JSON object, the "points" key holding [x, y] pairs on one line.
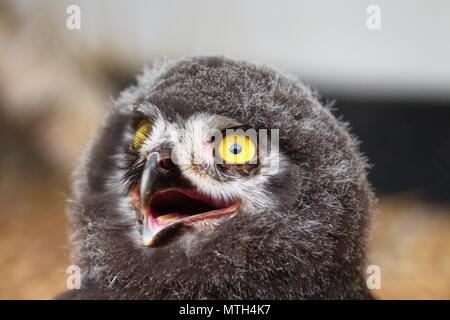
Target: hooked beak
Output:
{"points": [[170, 204]]}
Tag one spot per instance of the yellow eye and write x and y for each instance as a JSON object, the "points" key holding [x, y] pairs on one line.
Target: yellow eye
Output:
{"points": [[235, 148], [142, 132]]}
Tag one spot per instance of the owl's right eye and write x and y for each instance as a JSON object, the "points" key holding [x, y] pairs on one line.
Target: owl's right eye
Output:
{"points": [[142, 131]]}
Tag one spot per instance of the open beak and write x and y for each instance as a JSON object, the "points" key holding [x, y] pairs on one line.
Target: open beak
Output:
{"points": [[171, 206]]}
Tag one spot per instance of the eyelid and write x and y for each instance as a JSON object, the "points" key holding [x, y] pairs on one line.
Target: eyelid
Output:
{"points": [[234, 128]]}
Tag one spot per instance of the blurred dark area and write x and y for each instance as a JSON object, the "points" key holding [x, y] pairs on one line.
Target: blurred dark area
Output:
{"points": [[406, 141]]}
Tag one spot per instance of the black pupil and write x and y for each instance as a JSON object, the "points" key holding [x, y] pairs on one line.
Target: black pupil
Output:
{"points": [[235, 148]]}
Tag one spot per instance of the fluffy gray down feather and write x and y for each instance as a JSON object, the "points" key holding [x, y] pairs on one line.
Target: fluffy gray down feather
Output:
{"points": [[310, 246]]}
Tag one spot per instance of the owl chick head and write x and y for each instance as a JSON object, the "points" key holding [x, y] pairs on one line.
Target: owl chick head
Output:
{"points": [[210, 169], [185, 175]]}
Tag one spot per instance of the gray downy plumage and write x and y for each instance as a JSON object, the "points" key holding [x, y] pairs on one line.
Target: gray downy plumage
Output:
{"points": [[309, 245]]}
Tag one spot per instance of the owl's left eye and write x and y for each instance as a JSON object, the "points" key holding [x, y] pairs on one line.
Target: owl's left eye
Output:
{"points": [[142, 131], [234, 148]]}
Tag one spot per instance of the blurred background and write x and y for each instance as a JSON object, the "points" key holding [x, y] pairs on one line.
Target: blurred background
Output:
{"points": [[392, 84]]}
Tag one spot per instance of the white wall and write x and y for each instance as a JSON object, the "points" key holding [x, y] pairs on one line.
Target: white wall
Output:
{"points": [[325, 42]]}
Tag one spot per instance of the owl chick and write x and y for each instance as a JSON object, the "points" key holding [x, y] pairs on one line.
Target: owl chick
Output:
{"points": [[214, 178]]}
